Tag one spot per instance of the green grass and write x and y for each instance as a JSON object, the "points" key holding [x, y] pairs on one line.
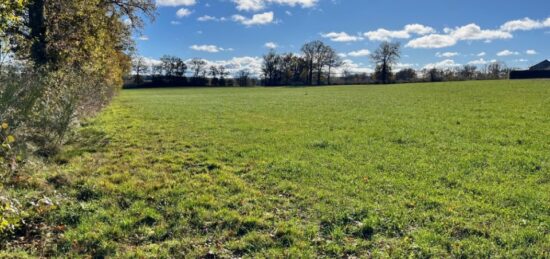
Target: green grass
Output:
{"points": [[447, 169]]}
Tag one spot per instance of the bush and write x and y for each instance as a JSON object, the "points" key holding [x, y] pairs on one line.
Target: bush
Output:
{"points": [[41, 106]]}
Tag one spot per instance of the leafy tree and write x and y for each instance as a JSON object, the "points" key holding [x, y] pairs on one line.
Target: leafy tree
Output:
{"points": [[433, 74], [173, 67], [384, 58], [406, 75]]}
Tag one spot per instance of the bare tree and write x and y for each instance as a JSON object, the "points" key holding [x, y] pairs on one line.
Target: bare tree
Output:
{"points": [[198, 67], [213, 72], [140, 68], [384, 58], [271, 68], [223, 73], [310, 51], [333, 60], [468, 72], [242, 77], [495, 69]]}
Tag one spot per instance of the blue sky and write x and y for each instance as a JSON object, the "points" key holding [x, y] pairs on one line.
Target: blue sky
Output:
{"points": [[442, 33]]}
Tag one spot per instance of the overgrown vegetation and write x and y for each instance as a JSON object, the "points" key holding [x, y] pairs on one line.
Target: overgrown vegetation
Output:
{"points": [[417, 170], [60, 62]]}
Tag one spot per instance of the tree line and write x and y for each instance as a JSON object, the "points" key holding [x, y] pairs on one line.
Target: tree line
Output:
{"points": [[174, 71], [316, 64], [317, 61]]}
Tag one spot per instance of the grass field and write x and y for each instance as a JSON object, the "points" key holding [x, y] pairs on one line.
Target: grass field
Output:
{"points": [[447, 169]]}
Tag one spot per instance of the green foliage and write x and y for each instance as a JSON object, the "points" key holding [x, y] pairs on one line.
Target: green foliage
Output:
{"points": [[7, 140], [10, 12], [9, 215], [417, 170]]}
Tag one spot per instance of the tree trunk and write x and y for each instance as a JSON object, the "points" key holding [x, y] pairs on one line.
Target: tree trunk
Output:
{"points": [[310, 73], [37, 26], [319, 74], [384, 73], [328, 78]]}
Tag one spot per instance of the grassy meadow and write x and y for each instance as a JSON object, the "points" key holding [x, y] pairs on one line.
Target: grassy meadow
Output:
{"points": [[456, 169]]}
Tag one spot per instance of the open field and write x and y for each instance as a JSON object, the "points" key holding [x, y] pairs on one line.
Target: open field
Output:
{"points": [[447, 169]]}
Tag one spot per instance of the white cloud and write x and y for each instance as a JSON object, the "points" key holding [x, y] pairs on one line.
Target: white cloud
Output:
{"points": [[451, 36], [352, 67], [341, 37], [359, 53], [175, 22], [209, 48], [401, 66], [521, 60], [506, 53], [531, 52], [144, 38], [447, 63], [257, 5], [419, 29], [432, 41], [481, 54], [206, 18], [257, 19], [525, 24], [183, 12], [176, 2], [480, 61], [474, 32], [271, 45], [468, 32], [387, 35], [446, 54]]}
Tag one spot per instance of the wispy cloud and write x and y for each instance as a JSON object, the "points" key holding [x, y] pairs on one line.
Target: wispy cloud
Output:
{"points": [[174, 3], [183, 12], [506, 53], [209, 48], [257, 5]]}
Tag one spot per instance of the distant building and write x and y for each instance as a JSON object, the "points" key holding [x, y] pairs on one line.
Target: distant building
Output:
{"points": [[544, 65], [540, 70]]}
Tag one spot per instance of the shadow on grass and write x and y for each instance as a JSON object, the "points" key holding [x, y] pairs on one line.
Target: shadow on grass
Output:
{"points": [[86, 140]]}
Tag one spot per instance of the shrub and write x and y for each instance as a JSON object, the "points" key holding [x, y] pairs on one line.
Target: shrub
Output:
{"points": [[41, 106]]}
